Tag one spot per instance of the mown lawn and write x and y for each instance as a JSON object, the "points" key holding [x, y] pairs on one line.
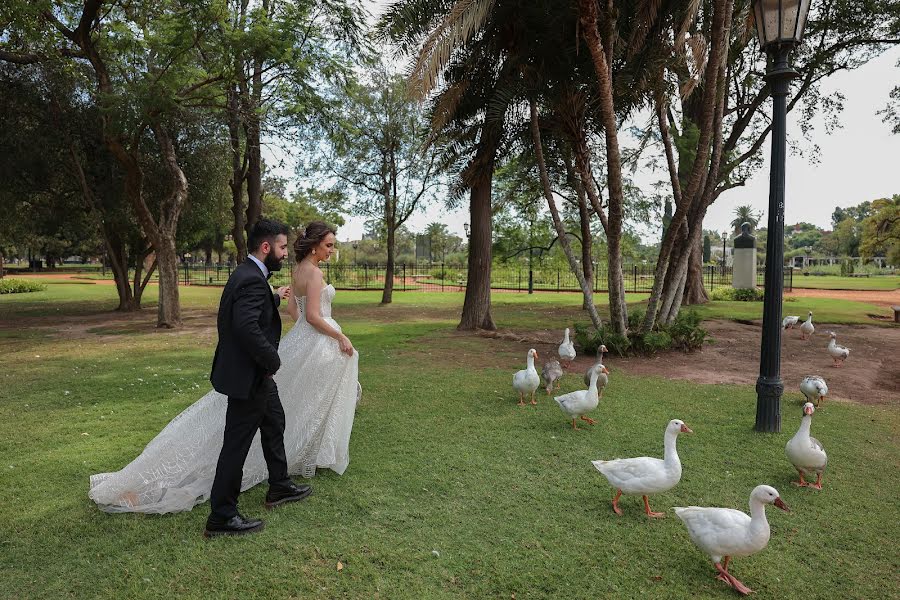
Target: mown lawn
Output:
{"points": [[836, 282], [452, 491]]}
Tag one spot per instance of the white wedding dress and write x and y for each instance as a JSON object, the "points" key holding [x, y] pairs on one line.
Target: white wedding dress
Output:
{"points": [[319, 391]]}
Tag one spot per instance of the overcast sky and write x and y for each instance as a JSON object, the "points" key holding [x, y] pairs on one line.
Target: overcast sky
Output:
{"points": [[858, 162]]}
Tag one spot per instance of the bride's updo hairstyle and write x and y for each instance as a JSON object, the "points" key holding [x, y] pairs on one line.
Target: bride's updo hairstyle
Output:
{"points": [[309, 238]]}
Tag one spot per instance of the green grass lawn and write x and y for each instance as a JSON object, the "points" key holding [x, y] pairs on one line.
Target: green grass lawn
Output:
{"points": [[836, 282], [452, 490]]}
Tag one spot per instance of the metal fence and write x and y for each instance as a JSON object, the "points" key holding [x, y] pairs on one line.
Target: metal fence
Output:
{"points": [[446, 277]]}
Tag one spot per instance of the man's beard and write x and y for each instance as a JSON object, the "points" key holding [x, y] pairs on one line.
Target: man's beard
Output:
{"points": [[272, 264]]}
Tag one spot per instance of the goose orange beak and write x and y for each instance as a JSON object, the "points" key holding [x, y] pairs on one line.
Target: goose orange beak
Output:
{"points": [[780, 504], [686, 429]]}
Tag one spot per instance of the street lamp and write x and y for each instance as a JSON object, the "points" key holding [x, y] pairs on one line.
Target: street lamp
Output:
{"points": [[779, 26], [466, 229], [724, 239], [355, 245]]}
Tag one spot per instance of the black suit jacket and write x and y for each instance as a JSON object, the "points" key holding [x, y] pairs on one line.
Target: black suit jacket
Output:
{"points": [[249, 331]]}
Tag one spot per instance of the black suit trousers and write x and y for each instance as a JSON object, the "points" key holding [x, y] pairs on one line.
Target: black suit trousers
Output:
{"points": [[263, 412]]}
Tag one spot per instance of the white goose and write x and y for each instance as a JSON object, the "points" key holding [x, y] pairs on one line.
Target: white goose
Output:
{"points": [[807, 329], [725, 532], [527, 380], [579, 403], [789, 322], [838, 353], [645, 475], [814, 388], [566, 351], [806, 452]]}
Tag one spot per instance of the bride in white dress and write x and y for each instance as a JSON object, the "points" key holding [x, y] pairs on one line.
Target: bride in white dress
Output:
{"points": [[318, 386]]}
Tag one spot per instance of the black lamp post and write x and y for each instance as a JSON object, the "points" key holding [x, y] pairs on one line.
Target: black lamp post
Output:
{"points": [[779, 25], [724, 262], [355, 245]]}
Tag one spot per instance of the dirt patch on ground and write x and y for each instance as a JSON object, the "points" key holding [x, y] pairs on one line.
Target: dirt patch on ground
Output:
{"points": [[870, 376], [877, 297], [113, 325]]}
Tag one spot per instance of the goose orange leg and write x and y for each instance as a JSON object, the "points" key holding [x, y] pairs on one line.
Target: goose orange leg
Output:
{"points": [[616, 508], [533, 401], [818, 483], [731, 580], [521, 399], [588, 419], [574, 425], [800, 483], [649, 512]]}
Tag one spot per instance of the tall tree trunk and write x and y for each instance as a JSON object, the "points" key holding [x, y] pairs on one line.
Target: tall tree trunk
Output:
{"points": [[253, 132], [117, 255], [694, 290], [169, 313], [706, 113], [476, 312], [254, 171], [238, 172], [584, 217], [387, 293], [618, 308], [586, 289], [161, 233]]}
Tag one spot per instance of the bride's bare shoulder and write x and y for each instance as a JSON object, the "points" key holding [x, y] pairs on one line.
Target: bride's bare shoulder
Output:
{"points": [[303, 275]]}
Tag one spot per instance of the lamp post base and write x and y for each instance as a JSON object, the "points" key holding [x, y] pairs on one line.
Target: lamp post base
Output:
{"points": [[768, 405]]}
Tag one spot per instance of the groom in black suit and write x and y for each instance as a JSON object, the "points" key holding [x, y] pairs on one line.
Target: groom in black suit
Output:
{"points": [[246, 359]]}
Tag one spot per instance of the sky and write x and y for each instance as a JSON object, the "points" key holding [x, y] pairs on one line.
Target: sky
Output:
{"points": [[859, 161]]}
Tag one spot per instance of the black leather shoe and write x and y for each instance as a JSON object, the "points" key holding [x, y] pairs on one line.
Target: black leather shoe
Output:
{"points": [[283, 494], [236, 525]]}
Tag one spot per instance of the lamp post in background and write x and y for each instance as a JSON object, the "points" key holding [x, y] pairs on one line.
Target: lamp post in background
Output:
{"points": [[355, 245], [779, 25], [724, 261]]}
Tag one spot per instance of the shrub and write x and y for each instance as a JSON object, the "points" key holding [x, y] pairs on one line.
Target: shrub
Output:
{"points": [[749, 295], [19, 286], [589, 339], [651, 342], [740, 295], [686, 331]]}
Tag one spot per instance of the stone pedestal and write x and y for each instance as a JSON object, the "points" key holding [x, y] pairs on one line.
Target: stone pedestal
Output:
{"points": [[744, 262]]}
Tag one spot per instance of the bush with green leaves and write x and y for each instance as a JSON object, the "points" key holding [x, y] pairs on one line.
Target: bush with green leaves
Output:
{"points": [[740, 295], [684, 333], [19, 286]]}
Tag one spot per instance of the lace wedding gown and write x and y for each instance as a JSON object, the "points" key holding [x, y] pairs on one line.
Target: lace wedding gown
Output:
{"points": [[319, 391]]}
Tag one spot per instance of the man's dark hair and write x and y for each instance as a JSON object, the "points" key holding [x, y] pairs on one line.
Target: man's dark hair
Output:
{"points": [[265, 230]]}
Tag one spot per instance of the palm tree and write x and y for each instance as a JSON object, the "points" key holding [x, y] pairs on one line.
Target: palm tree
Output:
{"points": [[745, 214]]}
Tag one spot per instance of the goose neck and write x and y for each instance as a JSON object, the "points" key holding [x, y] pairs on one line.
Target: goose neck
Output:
{"points": [[805, 424], [670, 453], [758, 519]]}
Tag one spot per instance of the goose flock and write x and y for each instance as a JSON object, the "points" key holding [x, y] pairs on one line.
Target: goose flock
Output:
{"points": [[720, 532]]}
